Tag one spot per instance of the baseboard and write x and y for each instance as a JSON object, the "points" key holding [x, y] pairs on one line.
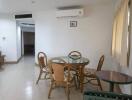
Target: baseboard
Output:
{"points": [[14, 62], [19, 59], [11, 62]]}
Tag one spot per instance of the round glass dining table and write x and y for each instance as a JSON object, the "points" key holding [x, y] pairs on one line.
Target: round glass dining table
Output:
{"points": [[80, 63], [113, 78], [68, 60]]}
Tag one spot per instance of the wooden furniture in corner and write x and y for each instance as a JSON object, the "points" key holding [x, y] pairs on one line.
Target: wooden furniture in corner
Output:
{"points": [[1, 59]]}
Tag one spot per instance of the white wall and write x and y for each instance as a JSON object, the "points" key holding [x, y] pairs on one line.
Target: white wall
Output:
{"points": [[92, 37], [22, 43], [18, 41], [8, 40]]}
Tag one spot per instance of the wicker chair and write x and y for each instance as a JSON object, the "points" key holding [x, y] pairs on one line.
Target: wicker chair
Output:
{"points": [[75, 55], [60, 78], [42, 60], [90, 73]]}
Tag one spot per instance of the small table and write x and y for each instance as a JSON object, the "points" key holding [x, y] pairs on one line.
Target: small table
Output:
{"points": [[80, 63], [113, 77]]}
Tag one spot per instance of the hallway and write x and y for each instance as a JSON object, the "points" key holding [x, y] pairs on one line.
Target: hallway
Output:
{"points": [[17, 82]]}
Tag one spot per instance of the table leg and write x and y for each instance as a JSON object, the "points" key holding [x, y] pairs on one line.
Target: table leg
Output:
{"points": [[111, 87], [81, 77]]}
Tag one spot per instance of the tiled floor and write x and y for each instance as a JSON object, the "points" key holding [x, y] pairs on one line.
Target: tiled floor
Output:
{"points": [[17, 82]]}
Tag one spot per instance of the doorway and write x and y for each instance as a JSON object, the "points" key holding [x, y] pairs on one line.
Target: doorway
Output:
{"points": [[29, 43], [26, 37]]}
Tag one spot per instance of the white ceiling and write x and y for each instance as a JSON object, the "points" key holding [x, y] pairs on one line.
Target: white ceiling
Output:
{"points": [[23, 6], [12, 6]]}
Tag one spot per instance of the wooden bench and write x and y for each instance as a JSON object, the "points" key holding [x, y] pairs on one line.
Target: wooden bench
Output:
{"points": [[1, 59]]}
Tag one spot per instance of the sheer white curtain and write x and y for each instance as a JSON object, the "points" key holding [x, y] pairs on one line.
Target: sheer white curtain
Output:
{"points": [[120, 33]]}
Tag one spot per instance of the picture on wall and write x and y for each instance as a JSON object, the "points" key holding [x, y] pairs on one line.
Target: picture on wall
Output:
{"points": [[73, 23]]}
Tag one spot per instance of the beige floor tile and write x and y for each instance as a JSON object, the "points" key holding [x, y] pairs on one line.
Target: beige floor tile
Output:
{"points": [[17, 82]]}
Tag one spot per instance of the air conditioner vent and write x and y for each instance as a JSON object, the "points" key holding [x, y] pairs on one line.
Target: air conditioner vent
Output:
{"points": [[23, 16]]}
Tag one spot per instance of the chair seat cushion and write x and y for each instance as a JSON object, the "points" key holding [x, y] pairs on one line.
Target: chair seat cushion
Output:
{"points": [[89, 71], [46, 69], [65, 78]]}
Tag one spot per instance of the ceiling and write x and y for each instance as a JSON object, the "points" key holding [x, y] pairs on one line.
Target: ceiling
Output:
{"points": [[26, 6]]}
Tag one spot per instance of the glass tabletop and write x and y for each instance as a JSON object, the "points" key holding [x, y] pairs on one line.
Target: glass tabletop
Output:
{"points": [[114, 77], [69, 60]]}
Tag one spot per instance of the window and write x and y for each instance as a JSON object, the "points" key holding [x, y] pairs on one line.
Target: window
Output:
{"points": [[121, 34]]}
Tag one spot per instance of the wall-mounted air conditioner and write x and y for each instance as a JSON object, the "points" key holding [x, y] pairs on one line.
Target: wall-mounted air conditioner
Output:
{"points": [[69, 13]]}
